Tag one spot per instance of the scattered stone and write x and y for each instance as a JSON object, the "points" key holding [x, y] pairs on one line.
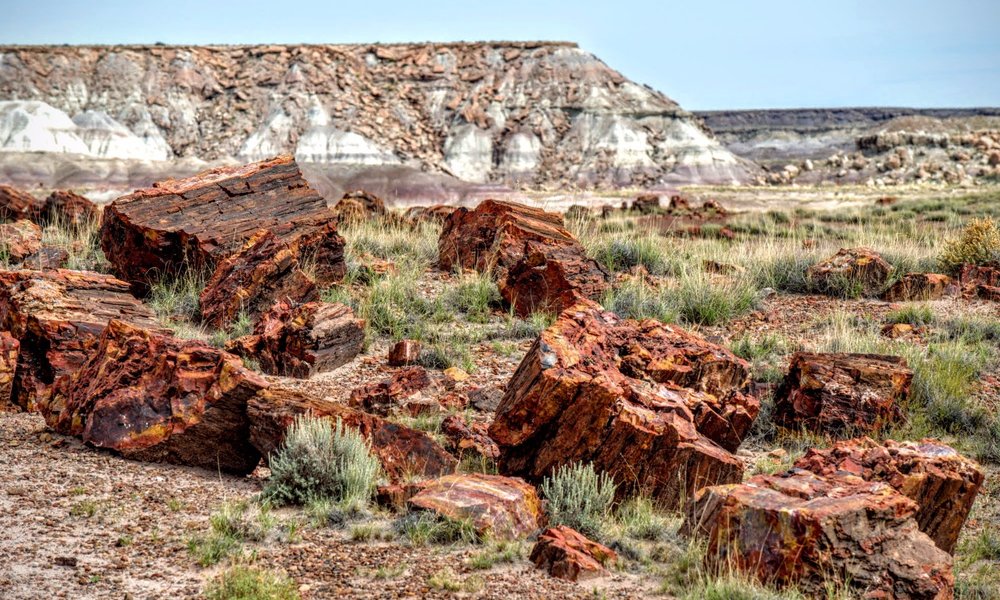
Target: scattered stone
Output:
{"points": [[57, 316], [64, 207], [654, 406], [185, 402], [982, 281], [920, 287], [503, 508], [358, 206], [19, 240], [393, 394], [566, 554], [454, 375], [405, 352], [9, 346], [47, 257], [861, 266], [394, 496], [16, 205], [249, 282], [942, 482], [720, 268], [842, 394], [798, 528], [646, 204], [462, 437], [198, 221], [679, 203], [887, 200], [403, 452], [300, 340], [486, 399], [895, 331]]}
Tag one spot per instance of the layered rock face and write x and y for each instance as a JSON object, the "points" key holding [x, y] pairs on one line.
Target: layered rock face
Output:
{"points": [[502, 508], [510, 112], [657, 408]]}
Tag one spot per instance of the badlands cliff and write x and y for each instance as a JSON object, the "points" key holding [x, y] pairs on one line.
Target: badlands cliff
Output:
{"points": [[523, 115]]}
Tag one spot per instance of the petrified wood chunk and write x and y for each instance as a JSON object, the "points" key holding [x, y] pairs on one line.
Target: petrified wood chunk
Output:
{"points": [[646, 204], [463, 438], [320, 251], [266, 270], [942, 482], [428, 214], [198, 221], [503, 508], [9, 347], [302, 340], [920, 286], [16, 205], [805, 529], [859, 266], [404, 352], [19, 240], [357, 206], [64, 207], [566, 554], [154, 397], [600, 389], [538, 264], [57, 315], [47, 257], [981, 281], [403, 452], [842, 394], [382, 397]]}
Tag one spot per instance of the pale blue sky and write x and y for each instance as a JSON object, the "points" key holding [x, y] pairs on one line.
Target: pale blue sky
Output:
{"points": [[707, 54]]}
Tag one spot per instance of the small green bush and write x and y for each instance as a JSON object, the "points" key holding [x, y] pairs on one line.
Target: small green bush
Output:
{"points": [[320, 461], [248, 583], [978, 244], [623, 254], [580, 498], [636, 300], [700, 301]]}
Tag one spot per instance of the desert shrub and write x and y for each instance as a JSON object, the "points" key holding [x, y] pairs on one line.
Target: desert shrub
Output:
{"points": [[638, 518], [918, 315], [243, 582], [784, 272], [176, 298], [321, 461], [580, 498], [978, 243], [700, 301], [636, 300], [623, 254]]}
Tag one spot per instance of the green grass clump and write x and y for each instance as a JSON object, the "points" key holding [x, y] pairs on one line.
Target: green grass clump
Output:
{"points": [[639, 519], [918, 315], [498, 553], [698, 300], [623, 254], [979, 243], [423, 528], [476, 296], [231, 526], [320, 461], [243, 582], [395, 308], [176, 299], [580, 498], [637, 300]]}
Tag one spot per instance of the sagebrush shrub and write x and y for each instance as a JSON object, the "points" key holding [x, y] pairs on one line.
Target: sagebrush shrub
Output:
{"points": [[320, 461], [978, 243], [580, 498]]}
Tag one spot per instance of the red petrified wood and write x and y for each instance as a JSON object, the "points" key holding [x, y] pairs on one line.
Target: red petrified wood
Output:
{"points": [[404, 352], [538, 264], [64, 207], [154, 397], [464, 438], [842, 394], [566, 554], [403, 452], [302, 340], [9, 347], [504, 508], [16, 205], [656, 407], [19, 240], [981, 281], [57, 315], [382, 397], [920, 286], [201, 220], [942, 482], [861, 266]]}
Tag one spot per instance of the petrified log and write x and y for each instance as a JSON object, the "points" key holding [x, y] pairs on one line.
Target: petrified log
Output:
{"points": [[428, 214], [16, 205], [266, 270], [198, 221], [302, 340], [19, 240], [67, 208], [804, 529], [842, 394], [357, 206], [153, 397], [9, 347], [646, 204], [404, 352], [394, 392], [320, 251], [942, 482], [566, 554], [862, 267], [600, 389], [982, 281], [403, 452], [463, 438], [47, 257], [58, 315], [503, 508], [920, 286], [497, 237]]}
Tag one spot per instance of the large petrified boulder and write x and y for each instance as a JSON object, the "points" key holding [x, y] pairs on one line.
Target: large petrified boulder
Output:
{"points": [[9, 346], [842, 394], [657, 408], [920, 286], [19, 240], [503, 508], [538, 264], [403, 452], [942, 482], [566, 554], [16, 204], [266, 270], [67, 208], [861, 267], [198, 221], [301, 340], [804, 529], [151, 396], [58, 315], [392, 393]]}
